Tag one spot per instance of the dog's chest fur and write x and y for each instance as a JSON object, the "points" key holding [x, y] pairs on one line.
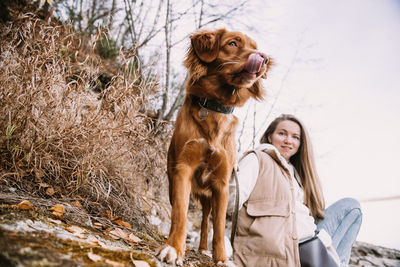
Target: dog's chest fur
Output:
{"points": [[219, 130]]}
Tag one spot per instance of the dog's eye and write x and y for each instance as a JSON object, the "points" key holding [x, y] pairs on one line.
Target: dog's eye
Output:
{"points": [[233, 43]]}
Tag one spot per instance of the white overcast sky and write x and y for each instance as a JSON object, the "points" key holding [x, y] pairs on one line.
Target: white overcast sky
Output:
{"points": [[338, 70]]}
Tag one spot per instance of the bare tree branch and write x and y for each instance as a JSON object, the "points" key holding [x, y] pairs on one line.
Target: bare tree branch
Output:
{"points": [[223, 16], [113, 11], [131, 27], [167, 33], [254, 126], [201, 14], [242, 129]]}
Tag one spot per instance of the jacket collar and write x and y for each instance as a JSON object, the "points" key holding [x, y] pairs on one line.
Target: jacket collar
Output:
{"points": [[274, 153]]}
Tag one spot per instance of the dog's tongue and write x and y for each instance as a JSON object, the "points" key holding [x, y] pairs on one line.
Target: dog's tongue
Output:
{"points": [[254, 63]]}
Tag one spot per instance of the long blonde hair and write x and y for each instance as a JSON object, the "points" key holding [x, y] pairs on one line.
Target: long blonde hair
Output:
{"points": [[303, 162]]}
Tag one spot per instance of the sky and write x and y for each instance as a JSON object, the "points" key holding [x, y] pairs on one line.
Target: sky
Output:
{"points": [[338, 70]]}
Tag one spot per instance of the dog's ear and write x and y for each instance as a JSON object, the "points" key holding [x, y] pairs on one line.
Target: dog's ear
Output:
{"points": [[203, 49], [206, 44]]}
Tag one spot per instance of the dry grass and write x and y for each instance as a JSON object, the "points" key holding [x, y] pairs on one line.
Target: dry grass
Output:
{"points": [[56, 132]]}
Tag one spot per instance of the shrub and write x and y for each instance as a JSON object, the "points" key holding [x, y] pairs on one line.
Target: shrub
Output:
{"points": [[107, 48], [57, 131]]}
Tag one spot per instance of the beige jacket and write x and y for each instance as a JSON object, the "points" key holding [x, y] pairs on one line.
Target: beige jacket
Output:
{"points": [[266, 228]]}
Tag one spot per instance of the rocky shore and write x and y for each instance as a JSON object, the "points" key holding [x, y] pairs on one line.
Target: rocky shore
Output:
{"points": [[364, 254]]}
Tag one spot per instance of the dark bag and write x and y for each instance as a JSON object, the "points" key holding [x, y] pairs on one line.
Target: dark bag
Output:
{"points": [[313, 253]]}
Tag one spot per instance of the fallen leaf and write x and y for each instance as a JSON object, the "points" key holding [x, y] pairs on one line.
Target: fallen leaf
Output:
{"points": [[76, 203], [119, 233], [58, 210], [75, 229], [132, 244], [114, 263], [94, 257], [55, 221], [151, 248], [81, 236], [134, 238], [50, 191], [11, 233], [39, 174], [48, 234], [109, 214], [123, 224], [92, 240], [98, 225], [25, 205], [140, 263]]}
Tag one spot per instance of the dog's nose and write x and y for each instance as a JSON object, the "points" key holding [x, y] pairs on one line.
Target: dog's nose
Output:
{"points": [[266, 58]]}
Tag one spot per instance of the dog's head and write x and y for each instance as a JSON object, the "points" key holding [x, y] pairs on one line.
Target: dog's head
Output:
{"points": [[232, 57]]}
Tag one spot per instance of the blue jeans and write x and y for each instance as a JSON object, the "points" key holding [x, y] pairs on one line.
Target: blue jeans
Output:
{"points": [[342, 222]]}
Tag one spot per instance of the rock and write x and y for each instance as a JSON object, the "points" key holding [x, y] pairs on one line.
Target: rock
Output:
{"points": [[364, 254]]}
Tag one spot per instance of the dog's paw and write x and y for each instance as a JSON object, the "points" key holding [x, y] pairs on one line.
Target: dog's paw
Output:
{"points": [[206, 252], [169, 255], [226, 264]]}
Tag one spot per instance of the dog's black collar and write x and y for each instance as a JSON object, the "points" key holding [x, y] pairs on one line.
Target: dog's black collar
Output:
{"points": [[212, 104]]}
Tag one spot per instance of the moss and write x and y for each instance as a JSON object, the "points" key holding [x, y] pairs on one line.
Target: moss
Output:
{"points": [[38, 249], [45, 249]]}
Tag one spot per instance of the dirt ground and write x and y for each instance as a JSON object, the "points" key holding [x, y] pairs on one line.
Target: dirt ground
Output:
{"points": [[34, 232]]}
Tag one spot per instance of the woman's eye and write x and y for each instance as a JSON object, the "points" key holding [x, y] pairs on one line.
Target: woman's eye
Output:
{"points": [[233, 43]]}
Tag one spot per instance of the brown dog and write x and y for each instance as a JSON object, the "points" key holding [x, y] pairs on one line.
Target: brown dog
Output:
{"points": [[224, 72]]}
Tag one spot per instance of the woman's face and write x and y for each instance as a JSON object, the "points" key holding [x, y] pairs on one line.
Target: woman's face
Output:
{"points": [[286, 138]]}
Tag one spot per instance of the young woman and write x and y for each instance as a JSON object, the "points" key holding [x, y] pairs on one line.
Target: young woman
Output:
{"points": [[281, 202]]}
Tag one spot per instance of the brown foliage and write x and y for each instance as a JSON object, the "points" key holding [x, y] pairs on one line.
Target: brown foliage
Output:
{"points": [[56, 130]]}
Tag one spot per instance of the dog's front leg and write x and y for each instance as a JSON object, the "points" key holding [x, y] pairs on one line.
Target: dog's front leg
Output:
{"points": [[174, 250], [219, 206], [206, 207], [219, 201]]}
